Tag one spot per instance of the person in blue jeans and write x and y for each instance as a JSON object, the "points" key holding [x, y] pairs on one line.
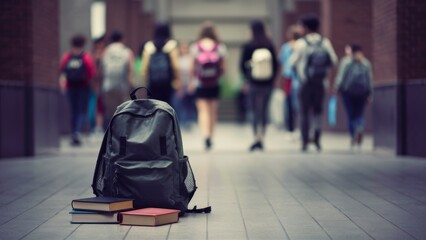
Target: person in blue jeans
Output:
{"points": [[77, 71], [289, 78], [354, 81]]}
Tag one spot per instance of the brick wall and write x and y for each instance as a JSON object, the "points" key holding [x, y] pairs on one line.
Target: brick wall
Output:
{"points": [[384, 41], [16, 40], [302, 7], [28, 77], [349, 22], [127, 16], [45, 31], [411, 39]]}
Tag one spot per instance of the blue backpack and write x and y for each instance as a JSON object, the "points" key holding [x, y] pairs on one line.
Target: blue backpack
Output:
{"points": [[159, 69]]}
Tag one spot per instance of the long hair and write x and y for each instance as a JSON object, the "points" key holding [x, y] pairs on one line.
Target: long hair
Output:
{"points": [[259, 37], [161, 34], [208, 31]]}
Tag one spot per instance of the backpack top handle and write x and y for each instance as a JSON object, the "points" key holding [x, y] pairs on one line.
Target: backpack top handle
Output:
{"points": [[133, 93]]}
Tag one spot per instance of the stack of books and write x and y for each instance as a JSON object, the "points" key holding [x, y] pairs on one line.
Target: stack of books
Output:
{"points": [[119, 210], [99, 209]]}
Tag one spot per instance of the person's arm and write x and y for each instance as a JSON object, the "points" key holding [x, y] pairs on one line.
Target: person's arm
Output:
{"points": [[341, 72], [275, 67], [296, 55], [62, 77], [193, 51], [131, 78], [223, 53], [370, 73], [174, 60], [331, 52], [148, 50], [90, 64], [244, 61]]}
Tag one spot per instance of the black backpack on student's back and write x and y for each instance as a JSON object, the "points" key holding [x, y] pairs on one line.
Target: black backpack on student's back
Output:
{"points": [[318, 62], [142, 157], [75, 71], [159, 69]]}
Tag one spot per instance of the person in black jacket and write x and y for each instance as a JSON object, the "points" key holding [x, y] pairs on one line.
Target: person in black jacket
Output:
{"points": [[259, 67]]}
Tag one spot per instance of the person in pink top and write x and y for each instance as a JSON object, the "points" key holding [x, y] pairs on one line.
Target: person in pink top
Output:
{"points": [[77, 71]]}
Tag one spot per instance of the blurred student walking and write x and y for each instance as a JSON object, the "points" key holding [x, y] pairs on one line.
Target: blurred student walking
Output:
{"points": [[99, 45], [208, 53], [259, 66], [289, 78], [117, 64], [77, 71], [160, 64], [312, 57], [354, 81], [185, 103]]}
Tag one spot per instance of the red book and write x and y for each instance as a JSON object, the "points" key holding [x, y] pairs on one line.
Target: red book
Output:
{"points": [[149, 217]]}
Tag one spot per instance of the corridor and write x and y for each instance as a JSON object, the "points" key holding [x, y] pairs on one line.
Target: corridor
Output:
{"points": [[280, 193]]}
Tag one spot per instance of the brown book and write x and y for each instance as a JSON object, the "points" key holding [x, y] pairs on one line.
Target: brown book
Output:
{"points": [[106, 204], [149, 217]]}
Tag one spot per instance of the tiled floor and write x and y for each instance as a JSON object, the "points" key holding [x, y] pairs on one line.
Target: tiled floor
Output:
{"points": [[276, 194]]}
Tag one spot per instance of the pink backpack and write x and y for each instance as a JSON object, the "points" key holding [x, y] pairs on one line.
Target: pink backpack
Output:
{"points": [[208, 68]]}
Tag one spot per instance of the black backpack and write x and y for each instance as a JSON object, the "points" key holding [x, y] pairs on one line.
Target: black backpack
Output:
{"points": [[356, 80], [75, 70], [142, 158], [159, 69], [318, 62]]}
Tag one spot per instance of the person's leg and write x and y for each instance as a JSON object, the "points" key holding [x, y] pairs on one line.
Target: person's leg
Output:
{"points": [[82, 104], [111, 100], [358, 118], [290, 113], [350, 114], [213, 104], [204, 119], [255, 104], [317, 103], [72, 99], [304, 116], [91, 110], [265, 100], [295, 108], [100, 111]]}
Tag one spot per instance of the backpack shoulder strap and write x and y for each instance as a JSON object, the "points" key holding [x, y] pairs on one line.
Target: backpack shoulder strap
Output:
{"points": [[307, 41], [98, 163], [199, 210]]}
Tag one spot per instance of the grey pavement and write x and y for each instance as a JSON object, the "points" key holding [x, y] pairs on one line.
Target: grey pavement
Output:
{"points": [[280, 193]]}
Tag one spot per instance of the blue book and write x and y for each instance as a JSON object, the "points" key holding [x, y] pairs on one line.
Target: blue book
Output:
{"points": [[79, 217], [104, 204]]}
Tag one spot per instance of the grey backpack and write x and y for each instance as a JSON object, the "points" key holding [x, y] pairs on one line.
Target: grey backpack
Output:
{"points": [[356, 81], [142, 157]]}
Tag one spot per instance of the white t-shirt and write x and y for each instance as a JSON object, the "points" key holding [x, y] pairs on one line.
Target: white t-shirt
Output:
{"points": [[115, 65]]}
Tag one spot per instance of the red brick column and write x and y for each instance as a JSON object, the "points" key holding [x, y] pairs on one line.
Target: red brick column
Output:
{"points": [[400, 75], [28, 77], [128, 17]]}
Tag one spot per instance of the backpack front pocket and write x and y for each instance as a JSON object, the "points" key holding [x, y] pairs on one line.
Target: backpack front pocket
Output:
{"points": [[149, 183]]}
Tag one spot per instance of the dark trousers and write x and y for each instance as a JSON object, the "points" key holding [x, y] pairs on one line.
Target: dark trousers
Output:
{"points": [[355, 112], [290, 113], [161, 92], [185, 108], [79, 100], [259, 97], [311, 105]]}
